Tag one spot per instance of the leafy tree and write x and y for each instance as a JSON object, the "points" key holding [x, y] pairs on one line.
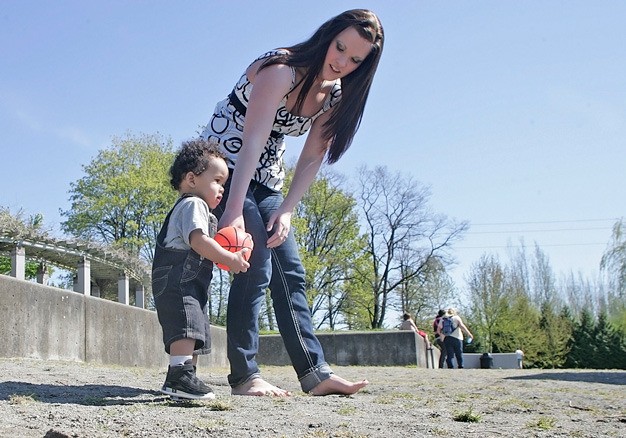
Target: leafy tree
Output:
{"points": [[614, 264], [403, 234], [610, 350], [614, 259], [489, 298], [328, 236], [581, 344], [557, 333], [124, 195], [424, 295]]}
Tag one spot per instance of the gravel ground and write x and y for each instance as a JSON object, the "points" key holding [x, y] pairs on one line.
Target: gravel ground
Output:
{"points": [[64, 399]]}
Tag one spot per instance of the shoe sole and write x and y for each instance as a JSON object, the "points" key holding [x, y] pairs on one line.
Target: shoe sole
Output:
{"points": [[180, 395]]}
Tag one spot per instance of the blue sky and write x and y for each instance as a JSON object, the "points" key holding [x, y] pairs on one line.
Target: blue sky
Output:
{"points": [[514, 113]]}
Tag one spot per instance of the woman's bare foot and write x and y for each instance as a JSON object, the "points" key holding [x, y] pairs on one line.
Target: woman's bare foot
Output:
{"points": [[337, 385], [259, 387]]}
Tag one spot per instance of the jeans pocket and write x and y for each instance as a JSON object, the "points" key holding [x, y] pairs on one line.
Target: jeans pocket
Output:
{"points": [[191, 267], [160, 277]]}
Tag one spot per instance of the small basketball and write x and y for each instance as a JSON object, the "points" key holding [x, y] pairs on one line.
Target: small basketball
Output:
{"points": [[233, 239]]}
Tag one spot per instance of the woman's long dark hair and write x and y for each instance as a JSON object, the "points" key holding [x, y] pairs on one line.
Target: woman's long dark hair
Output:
{"points": [[310, 54]]}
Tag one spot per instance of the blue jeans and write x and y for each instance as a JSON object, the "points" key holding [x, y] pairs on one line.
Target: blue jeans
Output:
{"points": [[454, 348], [281, 270]]}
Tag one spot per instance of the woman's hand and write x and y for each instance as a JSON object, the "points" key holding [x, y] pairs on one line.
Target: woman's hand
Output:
{"points": [[280, 223], [232, 220]]}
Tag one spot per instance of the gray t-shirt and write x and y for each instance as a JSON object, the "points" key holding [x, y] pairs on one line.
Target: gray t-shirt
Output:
{"points": [[192, 213]]}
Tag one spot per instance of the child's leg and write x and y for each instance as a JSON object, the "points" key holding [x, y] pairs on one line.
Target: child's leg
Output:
{"points": [[182, 347]]}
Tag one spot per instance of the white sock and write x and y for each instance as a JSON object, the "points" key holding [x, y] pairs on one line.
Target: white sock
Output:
{"points": [[179, 360]]}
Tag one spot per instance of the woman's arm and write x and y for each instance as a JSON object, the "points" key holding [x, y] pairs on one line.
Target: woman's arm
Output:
{"points": [[464, 328], [308, 165], [270, 86]]}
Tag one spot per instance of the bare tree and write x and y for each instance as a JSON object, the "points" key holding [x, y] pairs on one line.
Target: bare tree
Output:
{"points": [[404, 235]]}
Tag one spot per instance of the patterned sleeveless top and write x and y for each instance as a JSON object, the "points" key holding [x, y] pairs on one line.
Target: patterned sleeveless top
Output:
{"points": [[226, 126]]}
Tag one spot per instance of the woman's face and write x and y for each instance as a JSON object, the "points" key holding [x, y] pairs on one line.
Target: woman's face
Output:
{"points": [[345, 54]]}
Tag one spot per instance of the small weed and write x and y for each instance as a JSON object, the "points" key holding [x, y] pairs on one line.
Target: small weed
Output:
{"points": [[346, 410], [210, 423], [21, 399], [219, 405], [461, 397], [467, 417], [388, 399], [543, 423]]}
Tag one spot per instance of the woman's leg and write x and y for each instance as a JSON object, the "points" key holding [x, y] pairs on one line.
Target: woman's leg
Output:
{"points": [[458, 352], [287, 286], [246, 296], [448, 342]]}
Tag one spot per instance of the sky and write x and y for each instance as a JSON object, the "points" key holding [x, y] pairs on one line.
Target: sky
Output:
{"points": [[513, 113]]}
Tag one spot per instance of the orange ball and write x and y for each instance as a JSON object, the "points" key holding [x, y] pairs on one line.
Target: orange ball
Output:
{"points": [[233, 239]]}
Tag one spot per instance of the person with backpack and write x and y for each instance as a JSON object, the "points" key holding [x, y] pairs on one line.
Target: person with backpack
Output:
{"points": [[451, 327], [439, 337]]}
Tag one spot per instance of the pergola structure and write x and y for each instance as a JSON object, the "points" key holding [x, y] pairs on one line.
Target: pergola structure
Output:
{"points": [[91, 262]]}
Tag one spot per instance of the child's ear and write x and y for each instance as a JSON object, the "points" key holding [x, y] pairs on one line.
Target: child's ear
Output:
{"points": [[190, 178]]}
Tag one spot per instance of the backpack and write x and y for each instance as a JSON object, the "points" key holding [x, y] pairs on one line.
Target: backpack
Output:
{"points": [[447, 326]]}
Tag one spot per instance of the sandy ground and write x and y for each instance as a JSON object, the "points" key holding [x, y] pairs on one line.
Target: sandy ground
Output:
{"points": [[61, 399]]}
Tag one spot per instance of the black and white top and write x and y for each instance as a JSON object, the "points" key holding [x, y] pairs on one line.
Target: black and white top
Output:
{"points": [[226, 126]]}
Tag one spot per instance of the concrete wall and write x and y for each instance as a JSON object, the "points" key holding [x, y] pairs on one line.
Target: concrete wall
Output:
{"points": [[500, 360], [49, 323], [380, 348]]}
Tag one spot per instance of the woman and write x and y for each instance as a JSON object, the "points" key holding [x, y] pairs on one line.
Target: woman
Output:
{"points": [[319, 86], [451, 327]]}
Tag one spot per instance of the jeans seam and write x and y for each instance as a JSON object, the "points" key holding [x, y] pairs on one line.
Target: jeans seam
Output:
{"points": [[294, 320]]}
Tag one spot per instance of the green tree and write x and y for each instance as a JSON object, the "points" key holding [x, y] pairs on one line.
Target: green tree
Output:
{"points": [[613, 263], [327, 231], [489, 298], [582, 345], [557, 333], [124, 195]]}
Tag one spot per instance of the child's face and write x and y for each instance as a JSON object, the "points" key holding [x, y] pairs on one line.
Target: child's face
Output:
{"points": [[209, 185]]}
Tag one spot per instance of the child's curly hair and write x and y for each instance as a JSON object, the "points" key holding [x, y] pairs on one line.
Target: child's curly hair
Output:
{"points": [[193, 156]]}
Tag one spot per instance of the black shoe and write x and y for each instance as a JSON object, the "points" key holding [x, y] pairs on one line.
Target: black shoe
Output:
{"points": [[181, 382]]}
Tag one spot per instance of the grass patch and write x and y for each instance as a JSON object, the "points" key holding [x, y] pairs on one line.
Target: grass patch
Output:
{"points": [[346, 410], [388, 399], [219, 405], [467, 416], [543, 423], [210, 423]]}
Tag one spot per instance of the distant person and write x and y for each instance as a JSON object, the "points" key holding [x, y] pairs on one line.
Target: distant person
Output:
{"points": [[520, 358], [439, 337], [408, 324], [451, 327], [183, 265]]}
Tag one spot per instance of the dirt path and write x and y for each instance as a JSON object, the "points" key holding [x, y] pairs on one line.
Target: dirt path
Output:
{"points": [[80, 400]]}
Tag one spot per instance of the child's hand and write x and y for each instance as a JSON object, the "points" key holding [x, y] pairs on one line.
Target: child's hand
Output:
{"points": [[239, 263]]}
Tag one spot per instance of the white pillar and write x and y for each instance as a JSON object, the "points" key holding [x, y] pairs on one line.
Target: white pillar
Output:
{"points": [[84, 277], [139, 296], [123, 295], [18, 263]]}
